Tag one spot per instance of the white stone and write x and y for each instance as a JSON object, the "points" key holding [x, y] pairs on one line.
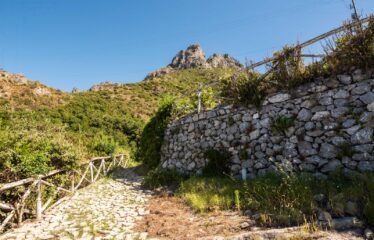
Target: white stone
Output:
{"points": [[371, 107], [279, 98]]}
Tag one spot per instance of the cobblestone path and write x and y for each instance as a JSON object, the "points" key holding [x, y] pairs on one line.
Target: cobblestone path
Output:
{"points": [[106, 209]]}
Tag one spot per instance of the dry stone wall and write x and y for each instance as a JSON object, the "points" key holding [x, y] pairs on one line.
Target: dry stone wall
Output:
{"points": [[333, 127]]}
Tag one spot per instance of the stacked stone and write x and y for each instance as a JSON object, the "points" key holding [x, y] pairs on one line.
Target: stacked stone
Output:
{"points": [[330, 115]]}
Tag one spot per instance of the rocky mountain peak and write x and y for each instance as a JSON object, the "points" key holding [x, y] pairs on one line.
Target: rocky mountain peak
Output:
{"points": [[223, 61], [194, 57]]}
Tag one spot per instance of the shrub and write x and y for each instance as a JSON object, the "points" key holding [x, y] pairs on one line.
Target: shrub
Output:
{"points": [[153, 135], [287, 68], [218, 162], [281, 124], [162, 178], [244, 88], [353, 49]]}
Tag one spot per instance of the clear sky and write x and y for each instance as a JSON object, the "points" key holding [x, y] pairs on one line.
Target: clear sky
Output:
{"points": [[77, 43]]}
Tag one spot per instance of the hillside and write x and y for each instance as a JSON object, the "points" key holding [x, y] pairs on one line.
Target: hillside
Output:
{"points": [[40, 122], [21, 92]]}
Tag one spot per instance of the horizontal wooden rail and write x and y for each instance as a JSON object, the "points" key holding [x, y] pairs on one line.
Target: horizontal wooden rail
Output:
{"points": [[96, 167], [313, 40]]}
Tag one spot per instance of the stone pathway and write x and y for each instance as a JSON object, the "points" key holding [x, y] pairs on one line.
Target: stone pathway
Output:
{"points": [[104, 210]]}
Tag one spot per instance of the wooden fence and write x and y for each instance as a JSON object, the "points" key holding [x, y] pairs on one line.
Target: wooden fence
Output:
{"points": [[14, 212]]}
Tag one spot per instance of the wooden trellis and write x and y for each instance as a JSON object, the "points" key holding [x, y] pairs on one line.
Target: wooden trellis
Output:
{"points": [[15, 211]]}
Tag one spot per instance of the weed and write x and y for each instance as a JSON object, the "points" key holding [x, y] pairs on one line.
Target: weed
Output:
{"points": [[345, 150], [281, 124], [162, 177]]}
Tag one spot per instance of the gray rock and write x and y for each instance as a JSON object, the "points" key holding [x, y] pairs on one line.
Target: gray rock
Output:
{"points": [[318, 116], [309, 126], [331, 166], [307, 167], [341, 102], [341, 94], [368, 233], [365, 148], [361, 89], [352, 130], [338, 140], [308, 103], [339, 112], [348, 123], [346, 223], [367, 117], [365, 166], [351, 208], [325, 101], [306, 149], [362, 136], [367, 98], [192, 57], [304, 115], [370, 107], [254, 134], [345, 79], [315, 133], [281, 97]]}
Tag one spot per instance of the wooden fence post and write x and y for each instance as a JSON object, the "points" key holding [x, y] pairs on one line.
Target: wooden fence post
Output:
{"points": [[73, 182], [103, 163], [39, 199], [91, 171]]}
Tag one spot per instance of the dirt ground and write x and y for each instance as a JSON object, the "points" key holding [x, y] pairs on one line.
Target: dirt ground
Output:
{"points": [[171, 218]]}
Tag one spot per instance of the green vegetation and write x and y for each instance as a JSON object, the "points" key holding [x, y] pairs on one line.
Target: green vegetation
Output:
{"points": [[41, 132], [281, 124], [153, 135], [162, 178], [353, 49], [281, 199], [218, 162], [244, 88], [345, 150]]}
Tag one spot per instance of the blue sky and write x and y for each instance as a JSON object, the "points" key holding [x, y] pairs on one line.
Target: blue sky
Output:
{"points": [[78, 43]]}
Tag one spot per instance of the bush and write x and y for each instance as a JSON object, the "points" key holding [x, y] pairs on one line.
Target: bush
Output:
{"points": [[218, 162], [153, 135], [162, 178], [353, 49], [244, 88]]}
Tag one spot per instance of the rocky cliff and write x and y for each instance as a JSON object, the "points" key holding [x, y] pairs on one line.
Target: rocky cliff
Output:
{"points": [[194, 57]]}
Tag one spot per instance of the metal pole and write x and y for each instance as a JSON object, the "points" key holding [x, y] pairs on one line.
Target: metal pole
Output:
{"points": [[355, 13]]}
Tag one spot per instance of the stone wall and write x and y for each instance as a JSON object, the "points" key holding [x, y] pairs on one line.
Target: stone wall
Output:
{"points": [[333, 127]]}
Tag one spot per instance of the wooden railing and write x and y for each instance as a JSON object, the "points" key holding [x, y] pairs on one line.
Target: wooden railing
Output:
{"points": [[14, 212], [300, 46]]}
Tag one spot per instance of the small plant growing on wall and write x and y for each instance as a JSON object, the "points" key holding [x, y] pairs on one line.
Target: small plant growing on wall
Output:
{"points": [[281, 124], [218, 162], [243, 154], [345, 150]]}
